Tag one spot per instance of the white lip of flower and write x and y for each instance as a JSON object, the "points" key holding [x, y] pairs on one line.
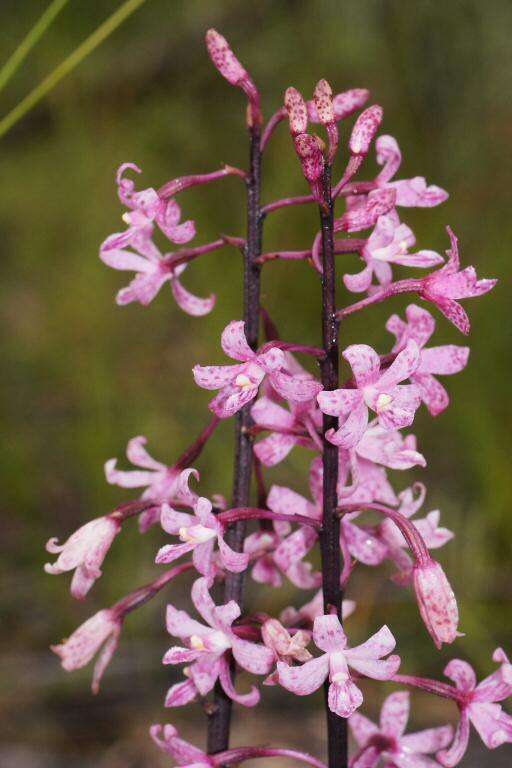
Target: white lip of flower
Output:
{"points": [[200, 535], [243, 381], [383, 401]]}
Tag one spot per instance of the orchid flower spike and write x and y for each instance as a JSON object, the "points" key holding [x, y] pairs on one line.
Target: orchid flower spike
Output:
{"points": [[387, 741], [239, 384], [367, 659], [394, 403]]}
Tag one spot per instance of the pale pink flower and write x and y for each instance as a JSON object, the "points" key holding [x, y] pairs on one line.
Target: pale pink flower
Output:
{"points": [[436, 601], [409, 192], [239, 384], [84, 553], [199, 532], [285, 647], [444, 360], [478, 705], [388, 244], [389, 448], [333, 664], [394, 403], [363, 211], [207, 646], [162, 483], [387, 741], [99, 633], [152, 270], [448, 284], [147, 208]]}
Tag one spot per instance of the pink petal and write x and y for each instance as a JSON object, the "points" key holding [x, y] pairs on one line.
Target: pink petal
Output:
{"points": [[205, 672], [362, 729], [462, 674], [338, 402], [202, 601], [378, 645], [400, 411], [424, 258], [180, 694], [143, 288], [230, 400], [388, 155], [362, 545], [274, 448], [395, 714], [245, 699], [131, 479], [203, 559], [328, 634], [295, 388], [171, 552], [359, 282], [305, 679], [351, 432], [179, 655], [494, 726], [445, 360], [405, 363], [288, 502], [378, 669], [192, 305], [415, 193], [138, 455], [180, 624], [118, 258], [344, 698], [454, 312], [271, 415], [234, 342], [432, 393], [295, 547], [215, 376], [253, 657], [236, 562], [365, 363], [429, 740], [451, 757]]}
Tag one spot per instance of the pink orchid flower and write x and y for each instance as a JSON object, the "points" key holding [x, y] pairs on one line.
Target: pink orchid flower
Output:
{"points": [[394, 403], [387, 741], [388, 244], [148, 208], [84, 553], [367, 659], [199, 532], [239, 384], [448, 284], [285, 646], [162, 483], [444, 360], [207, 646], [478, 705], [410, 193], [152, 270], [99, 633]]}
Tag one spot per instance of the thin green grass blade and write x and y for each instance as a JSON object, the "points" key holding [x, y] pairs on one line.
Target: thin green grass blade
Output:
{"points": [[78, 55]]}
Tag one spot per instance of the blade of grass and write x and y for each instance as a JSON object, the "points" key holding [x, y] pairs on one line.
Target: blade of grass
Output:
{"points": [[16, 59], [75, 58]]}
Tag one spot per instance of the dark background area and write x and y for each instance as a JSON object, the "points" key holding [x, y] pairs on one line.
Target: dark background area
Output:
{"points": [[82, 376]]}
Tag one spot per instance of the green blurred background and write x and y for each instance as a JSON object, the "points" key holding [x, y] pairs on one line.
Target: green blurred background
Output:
{"points": [[82, 375]]}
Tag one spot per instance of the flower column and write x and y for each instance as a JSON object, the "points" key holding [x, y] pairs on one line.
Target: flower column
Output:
{"points": [[223, 58]]}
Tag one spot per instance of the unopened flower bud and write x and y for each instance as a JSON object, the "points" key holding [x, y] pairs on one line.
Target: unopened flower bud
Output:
{"points": [[436, 601], [365, 128], [297, 111], [323, 102]]}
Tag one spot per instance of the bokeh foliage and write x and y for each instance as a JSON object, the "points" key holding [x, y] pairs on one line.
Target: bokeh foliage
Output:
{"points": [[82, 376]]}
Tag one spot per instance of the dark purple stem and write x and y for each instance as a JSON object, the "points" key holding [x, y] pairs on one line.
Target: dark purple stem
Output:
{"points": [[240, 754], [287, 346], [220, 717], [254, 513], [330, 535], [132, 508]]}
